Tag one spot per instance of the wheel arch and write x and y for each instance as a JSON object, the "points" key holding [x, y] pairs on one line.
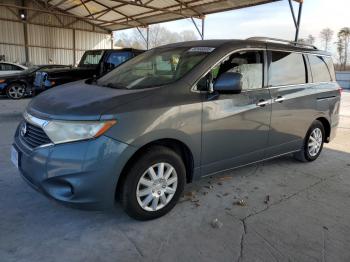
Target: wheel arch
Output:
{"points": [[18, 82], [327, 127], [6, 90], [176, 145]]}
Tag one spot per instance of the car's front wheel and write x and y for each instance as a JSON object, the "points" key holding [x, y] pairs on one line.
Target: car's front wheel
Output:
{"points": [[16, 91], [153, 184], [313, 143]]}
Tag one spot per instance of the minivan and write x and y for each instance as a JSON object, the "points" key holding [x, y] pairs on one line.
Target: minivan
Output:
{"points": [[175, 114]]}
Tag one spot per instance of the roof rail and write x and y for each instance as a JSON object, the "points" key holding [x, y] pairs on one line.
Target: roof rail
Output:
{"points": [[269, 39]]}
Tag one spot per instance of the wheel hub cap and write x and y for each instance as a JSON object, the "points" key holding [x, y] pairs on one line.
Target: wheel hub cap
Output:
{"points": [[156, 186], [315, 142]]}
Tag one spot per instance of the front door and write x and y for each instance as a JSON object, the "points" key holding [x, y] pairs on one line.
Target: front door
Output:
{"points": [[235, 127]]}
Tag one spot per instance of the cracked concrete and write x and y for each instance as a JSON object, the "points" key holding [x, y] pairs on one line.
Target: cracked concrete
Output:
{"points": [[306, 218]]}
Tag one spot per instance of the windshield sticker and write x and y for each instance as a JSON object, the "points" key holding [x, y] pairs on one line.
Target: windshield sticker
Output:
{"points": [[202, 49]]}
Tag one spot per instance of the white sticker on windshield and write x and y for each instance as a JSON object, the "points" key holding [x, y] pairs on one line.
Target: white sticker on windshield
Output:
{"points": [[202, 49]]}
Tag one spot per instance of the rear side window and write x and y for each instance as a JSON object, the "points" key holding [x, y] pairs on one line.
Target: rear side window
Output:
{"points": [[322, 68], [9, 67], [286, 69]]}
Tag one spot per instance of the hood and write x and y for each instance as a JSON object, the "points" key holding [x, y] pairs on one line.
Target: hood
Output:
{"points": [[13, 75], [80, 101], [64, 71]]}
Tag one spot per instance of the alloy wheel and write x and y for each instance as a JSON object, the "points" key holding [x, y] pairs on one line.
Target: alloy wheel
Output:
{"points": [[16, 91]]}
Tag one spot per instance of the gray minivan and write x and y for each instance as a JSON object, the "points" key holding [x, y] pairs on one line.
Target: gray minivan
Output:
{"points": [[175, 114]]}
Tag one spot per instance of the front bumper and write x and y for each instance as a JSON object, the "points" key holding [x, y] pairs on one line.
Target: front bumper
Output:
{"points": [[81, 174], [3, 88]]}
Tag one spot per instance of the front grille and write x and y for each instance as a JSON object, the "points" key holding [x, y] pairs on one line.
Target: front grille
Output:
{"points": [[33, 136]]}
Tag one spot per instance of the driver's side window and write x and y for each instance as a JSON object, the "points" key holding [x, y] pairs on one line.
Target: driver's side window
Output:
{"points": [[249, 64]]}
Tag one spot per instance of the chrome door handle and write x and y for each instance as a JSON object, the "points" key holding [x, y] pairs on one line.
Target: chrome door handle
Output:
{"points": [[262, 103], [279, 99]]}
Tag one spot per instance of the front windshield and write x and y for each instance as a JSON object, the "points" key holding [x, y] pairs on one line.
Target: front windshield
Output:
{"points": [[154, 68], [91, 58]]}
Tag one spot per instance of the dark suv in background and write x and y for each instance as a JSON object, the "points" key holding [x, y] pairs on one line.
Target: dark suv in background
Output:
{"points": [[175, 114], [93, 64]]}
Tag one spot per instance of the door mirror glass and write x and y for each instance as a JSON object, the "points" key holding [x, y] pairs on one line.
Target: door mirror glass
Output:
{"points": [[229, 82]]}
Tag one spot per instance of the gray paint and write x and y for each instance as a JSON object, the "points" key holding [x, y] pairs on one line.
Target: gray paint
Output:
{"points": [[223, 132]]}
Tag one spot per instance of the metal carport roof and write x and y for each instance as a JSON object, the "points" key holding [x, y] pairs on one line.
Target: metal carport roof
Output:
{"points": [[123, 14]]}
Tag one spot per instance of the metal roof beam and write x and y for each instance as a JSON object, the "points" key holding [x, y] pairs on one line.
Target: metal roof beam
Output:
{"points": [[85, 19], [87, 9], [166, 10], [120, 13]]}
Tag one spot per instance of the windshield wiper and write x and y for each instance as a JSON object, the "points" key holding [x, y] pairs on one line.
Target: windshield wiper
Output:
{"points": [[115, 86]]}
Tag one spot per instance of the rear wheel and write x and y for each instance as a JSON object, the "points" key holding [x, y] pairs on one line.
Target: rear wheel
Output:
{"points": [[16, 91], [313, 143], [153, 184]]}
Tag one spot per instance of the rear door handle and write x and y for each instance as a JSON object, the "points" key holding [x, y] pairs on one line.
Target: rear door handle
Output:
{"points": [[262, 103], [279, 99]]}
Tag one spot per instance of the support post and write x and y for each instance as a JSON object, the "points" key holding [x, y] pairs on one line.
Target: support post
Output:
{"points": [[26, 50], [112, 40], [203, 23], [201, 33], [74, 48], [147, 39], [25, 32], [299, 20], [296, 20]]}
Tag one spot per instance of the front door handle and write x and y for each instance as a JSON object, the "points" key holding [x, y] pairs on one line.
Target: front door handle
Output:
{"points": [[279, 99], [262, 103]]}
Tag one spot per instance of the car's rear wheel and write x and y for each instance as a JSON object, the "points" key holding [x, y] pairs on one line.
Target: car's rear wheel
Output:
{"points": [[153, 184], [16, 91], [313, 143]]}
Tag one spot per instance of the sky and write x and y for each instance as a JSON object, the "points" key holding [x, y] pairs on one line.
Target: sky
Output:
{"points": [[272, 20]]}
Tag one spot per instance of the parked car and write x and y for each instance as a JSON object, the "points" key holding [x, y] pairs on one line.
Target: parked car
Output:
{"points": [[93, 64], [175, 114], [16, 86], [10, 68]]}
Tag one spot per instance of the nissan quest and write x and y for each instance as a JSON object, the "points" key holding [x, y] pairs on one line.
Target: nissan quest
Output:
{"points": [[173, 115]]}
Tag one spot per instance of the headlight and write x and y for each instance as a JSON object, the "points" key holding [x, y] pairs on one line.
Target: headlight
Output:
{"points": [[68, 131]]}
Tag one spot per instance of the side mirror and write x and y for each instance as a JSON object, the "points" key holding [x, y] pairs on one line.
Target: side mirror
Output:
{"points": [[229, 83]]}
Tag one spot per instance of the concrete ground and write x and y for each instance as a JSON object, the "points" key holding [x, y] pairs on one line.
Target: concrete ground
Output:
{"points": [[290, 211]]}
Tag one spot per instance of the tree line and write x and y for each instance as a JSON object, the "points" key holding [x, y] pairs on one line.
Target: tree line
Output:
{"points": [[158, 35], [327, 41]]}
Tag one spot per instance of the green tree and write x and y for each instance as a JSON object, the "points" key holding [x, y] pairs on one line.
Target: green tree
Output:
{"points": [[158, 35]]}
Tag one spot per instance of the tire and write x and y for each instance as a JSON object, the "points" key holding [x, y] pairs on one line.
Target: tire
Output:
{"points": [[139, 188], [309, 153], [16, 91]]}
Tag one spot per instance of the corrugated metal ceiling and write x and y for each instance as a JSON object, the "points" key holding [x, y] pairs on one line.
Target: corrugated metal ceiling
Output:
{"points": [[123, 14]]}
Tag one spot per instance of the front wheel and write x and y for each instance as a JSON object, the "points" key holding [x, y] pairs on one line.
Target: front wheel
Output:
{"points": [[16, 91], [313, 143], [153, 184]]}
